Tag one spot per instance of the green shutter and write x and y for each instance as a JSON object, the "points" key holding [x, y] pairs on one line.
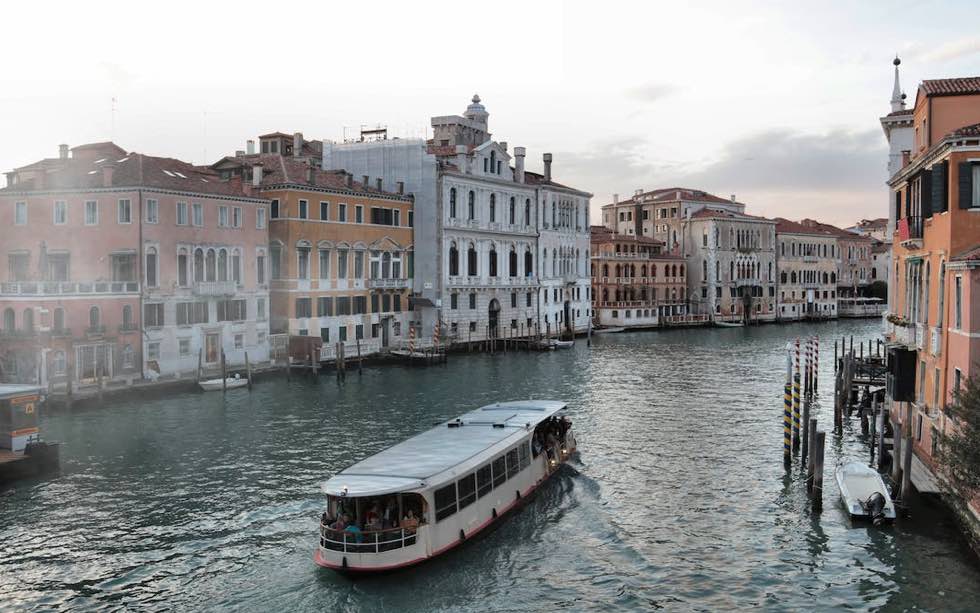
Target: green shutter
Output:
{"points": [[966, 185], [925, 193], [940, 179]]}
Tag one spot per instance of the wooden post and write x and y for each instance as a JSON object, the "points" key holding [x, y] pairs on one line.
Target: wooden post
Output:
{"points": [[811, 453], [469, 340], [874, 427], [864, 419], [248, 372], [98, 369], [835, 355], [907, 449], [896, 452], [820, 444], [68, 390], [360, 365], [289, 367], [806, 431], [796, 411], [881, 437], [224, 374], [200, 358]]}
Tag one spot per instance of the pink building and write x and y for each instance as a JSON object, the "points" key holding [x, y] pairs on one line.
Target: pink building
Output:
{"points": [[127, 266]]}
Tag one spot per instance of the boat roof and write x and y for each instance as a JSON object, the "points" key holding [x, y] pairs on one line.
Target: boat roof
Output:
{"points": [[12, 390], [470, 439]]}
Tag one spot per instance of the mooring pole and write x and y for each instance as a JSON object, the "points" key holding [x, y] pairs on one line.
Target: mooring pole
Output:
{"points": [[816, 364], [806, 431], [821, 443], [907, 449], [787, 424], [812, 449], [224, 373], [796, 399], [248, 372]]}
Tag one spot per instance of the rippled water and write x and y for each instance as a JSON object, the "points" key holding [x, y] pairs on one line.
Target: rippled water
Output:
{"points": [[679, 498]]}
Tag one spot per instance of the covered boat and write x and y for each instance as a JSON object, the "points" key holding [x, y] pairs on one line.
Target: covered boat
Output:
{"points": [[863, 492], [423, 496]]}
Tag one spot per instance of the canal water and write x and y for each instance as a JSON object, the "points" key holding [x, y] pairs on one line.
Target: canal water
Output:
{"points": [[678, 500]]}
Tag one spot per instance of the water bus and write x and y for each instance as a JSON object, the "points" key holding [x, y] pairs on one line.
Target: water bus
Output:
{"points": [[428, 494]]}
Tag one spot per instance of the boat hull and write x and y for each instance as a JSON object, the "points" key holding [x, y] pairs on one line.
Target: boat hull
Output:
{"points": [[857, 483], [214, 385]]}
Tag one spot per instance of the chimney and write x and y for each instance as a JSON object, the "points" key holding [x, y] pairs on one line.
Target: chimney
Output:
{"points": [[239, 153], [547, 166], [615, 198], [63, 152], [380, 184], [677, 196], [401, 187], [519, 153], [503, 145], [250, 147], [256, 175], [349, 179], [366, 180], [309, 172], [733, 198], [107, 171], [297, 144]]}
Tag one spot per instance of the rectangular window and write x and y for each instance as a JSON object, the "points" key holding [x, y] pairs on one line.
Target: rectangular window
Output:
{"points": [[239, 341], [358, 214], [324, 306], [231, 310], [466, 488], [153, 315], [342, 213], [484, 483], [222, 217], [60, 212], [324, 211], [958, 303], [303, 307], [396, 217], [342, 333], [181, 213], [20, 213], [359, 331], [342, 264], [190, 313], [386, 302], [152, 211], [153, 351], [528, 299], [513, 463], [184, 347], [260, 309], [91, 212], [454, 301], [396, 301], [260, 269], [499, 472], [236, 217], [125, 209], [274, 212], [343, 306], [525, 455], [325, 334], [513, 300], [445, 501], [935, 388], [197, 214], [472, 301], [324, 264], [304, 209], [411, 219], [260, 218], [360, 305]]}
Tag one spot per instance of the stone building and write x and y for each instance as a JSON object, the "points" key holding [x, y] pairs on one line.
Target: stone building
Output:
{"points": [[806, 263]]}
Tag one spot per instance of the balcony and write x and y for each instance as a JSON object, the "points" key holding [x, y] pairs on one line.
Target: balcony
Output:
{"points": [[95, 331], [67, 288], [215, 288], [910, 232], [128, 328], [387, 283]]}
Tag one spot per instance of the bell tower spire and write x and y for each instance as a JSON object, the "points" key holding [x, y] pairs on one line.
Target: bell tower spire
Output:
{"points": [[898, 98]]}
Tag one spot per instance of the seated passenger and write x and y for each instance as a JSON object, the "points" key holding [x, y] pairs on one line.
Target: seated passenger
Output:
{"points": [[372, 519], [353, 529], [410, 522], [340, 524]]}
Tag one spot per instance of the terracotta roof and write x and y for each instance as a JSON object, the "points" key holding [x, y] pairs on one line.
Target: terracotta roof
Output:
{"points": [[898, 113], [970, 255], [533, 178], [134, 170], [830, 229], [275, 135], [971, 130], [109, 145], [669, 194], [707, 213], [786, 226], [951, 87]]}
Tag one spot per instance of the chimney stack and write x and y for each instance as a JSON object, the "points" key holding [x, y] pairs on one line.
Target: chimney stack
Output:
{"points": [[503, 145], [257, 175], [519, 153], [309, 172], [349, 180], [239, 153], [366, 181], [107, 171], [547, 166], [401, 187], [297, 144], [615, 198], [63, 152], [380, 184], [733, 198], [250, 147]]}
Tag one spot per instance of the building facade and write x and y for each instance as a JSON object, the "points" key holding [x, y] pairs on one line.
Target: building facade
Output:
{"points": [[340, 252], [806, 262], [634, 282]]}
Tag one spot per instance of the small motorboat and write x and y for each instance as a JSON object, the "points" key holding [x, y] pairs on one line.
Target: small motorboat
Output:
{"points": [[214, 385], [729, 324], [559, 344], [607, 330], [863, 492]]}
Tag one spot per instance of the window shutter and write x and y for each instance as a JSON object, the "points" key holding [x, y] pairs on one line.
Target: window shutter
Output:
{"points": [[925, 193], [939, 185], [966, 185], [908, 199]]}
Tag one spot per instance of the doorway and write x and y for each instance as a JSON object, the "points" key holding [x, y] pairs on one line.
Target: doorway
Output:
{"points": [[212, 348], [494, 313]]}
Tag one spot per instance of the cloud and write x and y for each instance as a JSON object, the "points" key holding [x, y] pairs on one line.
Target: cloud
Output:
{"points": [[953, 49], [651, 92]]}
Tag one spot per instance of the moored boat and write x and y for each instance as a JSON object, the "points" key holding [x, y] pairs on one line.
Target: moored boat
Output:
{"points": [[213, 385], [729, 324], [425, 495], [864, 493], [609, 330]]}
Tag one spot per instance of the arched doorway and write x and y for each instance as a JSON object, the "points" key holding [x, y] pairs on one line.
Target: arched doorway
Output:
{"points": [[494, 313]]}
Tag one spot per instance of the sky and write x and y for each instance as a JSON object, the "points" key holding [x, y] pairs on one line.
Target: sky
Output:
{"points": [[770, 101]]}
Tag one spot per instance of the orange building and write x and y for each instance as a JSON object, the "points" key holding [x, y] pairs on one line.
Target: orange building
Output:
{"points": [[936, 199]]}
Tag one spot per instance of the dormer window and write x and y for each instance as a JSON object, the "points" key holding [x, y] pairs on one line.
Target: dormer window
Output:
{"points": [[493, 161]]}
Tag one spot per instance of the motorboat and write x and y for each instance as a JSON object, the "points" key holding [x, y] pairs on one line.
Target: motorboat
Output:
{"points": [[863, 492], [611, 330], [432, 492], [560, 344], [215, 385], [729, 324]]}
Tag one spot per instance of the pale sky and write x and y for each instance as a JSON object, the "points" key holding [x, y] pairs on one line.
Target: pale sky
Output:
{"points": [[774, 102]]}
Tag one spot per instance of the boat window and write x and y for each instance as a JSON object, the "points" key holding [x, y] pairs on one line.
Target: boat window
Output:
{"points": [[483, 481], [499, 472], [445, 501], [467, 490], [525, 456], [512, 463]]}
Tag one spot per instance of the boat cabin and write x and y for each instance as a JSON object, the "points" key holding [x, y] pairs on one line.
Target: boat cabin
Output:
{"points": [[18, 416]]}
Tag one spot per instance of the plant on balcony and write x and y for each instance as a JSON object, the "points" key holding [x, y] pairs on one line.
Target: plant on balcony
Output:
{"points": [[898, 320], [959, 451]]}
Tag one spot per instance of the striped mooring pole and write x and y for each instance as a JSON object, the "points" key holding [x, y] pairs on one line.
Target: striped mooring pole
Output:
{"points": [[411, 338], [435, 335], [787, 424], [796, 399], [816, 362]]}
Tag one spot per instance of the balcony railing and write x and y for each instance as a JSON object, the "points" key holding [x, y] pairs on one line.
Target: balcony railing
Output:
{"points": [[95, 331], [909, 229], [67, 288], [387, 283], [215, 288], [128, 328]]}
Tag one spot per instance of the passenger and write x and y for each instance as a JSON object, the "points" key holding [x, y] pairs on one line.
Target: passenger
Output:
{"points": [[410, 522], [356, 531], [325, 519], [372, 520]]}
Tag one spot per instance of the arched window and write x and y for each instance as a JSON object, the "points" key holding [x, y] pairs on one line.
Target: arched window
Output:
{"points": [[471, 268], [9, 320], [182, 276], [493, 261], [554, 214], [513, 211], [493, 161], [673, 270], [513, 262], [28, 319], [493, 208], [453, 260], [94, 317], [554, 263], [127, 317], [653, 270], [198, 264], [151, 267], [833, 277], [386, 265], [58, 363], [471, 206], [731, 271], [452, 202], [527, 212], [210, 265], [792, 277], [605, 295], [528, 263], [236, 266], [618, 271], [605, 270], [59, 319], [680, 270], [223, 265], [128, 357], [782, 277]]}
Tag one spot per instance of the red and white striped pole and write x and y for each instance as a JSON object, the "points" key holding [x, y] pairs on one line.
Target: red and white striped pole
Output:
{"points": [[796, 399], [411, 338], [816, 361], [435, 335]]}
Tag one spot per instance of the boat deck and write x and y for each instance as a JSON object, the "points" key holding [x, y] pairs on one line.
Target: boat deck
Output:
{"points": [[7, 456]]}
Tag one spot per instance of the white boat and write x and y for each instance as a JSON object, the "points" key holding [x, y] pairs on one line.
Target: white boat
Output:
{"points": [[607, 330], [864, 493], [214, 385], [413, 355], [425, 495], [729, 324], [559, 344]]}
